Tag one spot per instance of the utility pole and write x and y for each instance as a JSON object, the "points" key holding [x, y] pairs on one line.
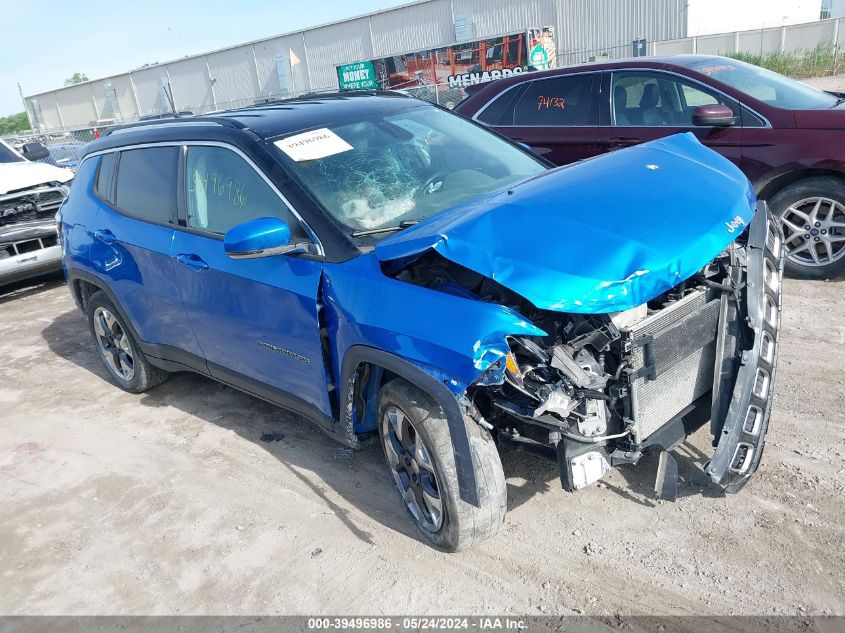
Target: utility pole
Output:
{"points": [[25, 109]]}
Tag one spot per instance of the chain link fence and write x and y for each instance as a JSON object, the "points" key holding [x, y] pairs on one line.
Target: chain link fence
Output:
{"points": [[67, 147]]}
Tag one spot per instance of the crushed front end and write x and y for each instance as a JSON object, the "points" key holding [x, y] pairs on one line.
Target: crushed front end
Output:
{"points": [[600, 389]]}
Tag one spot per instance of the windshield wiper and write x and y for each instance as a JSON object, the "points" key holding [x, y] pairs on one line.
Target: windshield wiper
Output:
{"points": [[404, 224], [839, 100]]}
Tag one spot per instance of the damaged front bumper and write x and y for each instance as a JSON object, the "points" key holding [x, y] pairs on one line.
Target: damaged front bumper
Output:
{"points": [[739, 445], [708, 354]]}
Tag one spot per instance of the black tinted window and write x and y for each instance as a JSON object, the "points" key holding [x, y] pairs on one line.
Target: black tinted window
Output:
{"points": [[493, 113], [104, 176], [555, 101], [146, 183]]}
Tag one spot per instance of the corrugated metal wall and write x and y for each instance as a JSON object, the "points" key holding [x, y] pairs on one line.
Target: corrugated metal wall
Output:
{"points": [[497, 18], [590, 28], [234, 76], [266, 52], [245, 74], [335, 44], [415, 27], [190, 84], [147, 89]]}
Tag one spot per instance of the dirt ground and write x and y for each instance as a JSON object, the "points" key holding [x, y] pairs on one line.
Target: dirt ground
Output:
{"points": [[172, 503], [831, 82]]}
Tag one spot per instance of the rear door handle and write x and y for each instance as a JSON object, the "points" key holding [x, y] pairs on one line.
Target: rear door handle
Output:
{"points": [[624, 139], [105, 236], [192, 261]]}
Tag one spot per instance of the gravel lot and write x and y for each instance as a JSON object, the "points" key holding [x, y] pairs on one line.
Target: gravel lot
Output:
{"points": [[171, 502], [830, 82]]}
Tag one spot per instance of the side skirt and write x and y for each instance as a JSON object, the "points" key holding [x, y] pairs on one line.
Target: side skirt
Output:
{"points": [[172, 359]]}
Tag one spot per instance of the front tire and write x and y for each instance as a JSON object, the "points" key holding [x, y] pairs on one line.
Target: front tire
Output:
{"points": [[418, 447], [812, 216], [127, 365]]}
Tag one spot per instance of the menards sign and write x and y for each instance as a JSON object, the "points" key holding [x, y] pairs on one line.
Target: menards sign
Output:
{"points": [[458, 65]]}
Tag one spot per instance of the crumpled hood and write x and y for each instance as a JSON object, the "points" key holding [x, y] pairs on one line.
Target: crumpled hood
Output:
{"points": [[602, 235], [24, 174]]}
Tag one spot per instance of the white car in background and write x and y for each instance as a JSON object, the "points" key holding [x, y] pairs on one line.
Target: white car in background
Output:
{"points": [[30, 196]]}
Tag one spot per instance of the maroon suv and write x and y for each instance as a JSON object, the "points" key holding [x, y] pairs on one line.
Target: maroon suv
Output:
{"points": [[787, 137]]}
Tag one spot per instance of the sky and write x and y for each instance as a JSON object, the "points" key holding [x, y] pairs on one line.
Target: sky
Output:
{"points": [[46, 41]]}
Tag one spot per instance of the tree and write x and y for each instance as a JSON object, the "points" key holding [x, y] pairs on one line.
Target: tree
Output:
{"points": [[13, 123], [76, 78]]}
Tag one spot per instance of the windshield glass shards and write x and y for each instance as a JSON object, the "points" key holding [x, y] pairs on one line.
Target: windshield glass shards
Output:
{"points": [[382, 173]]}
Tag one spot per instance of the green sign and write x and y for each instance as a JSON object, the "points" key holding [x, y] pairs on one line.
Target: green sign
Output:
{"points": [[358, 76], [539, 58]]}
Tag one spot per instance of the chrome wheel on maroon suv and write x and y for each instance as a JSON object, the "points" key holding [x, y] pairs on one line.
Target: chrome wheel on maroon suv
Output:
{"points": [[812, 217], [814, 231]]}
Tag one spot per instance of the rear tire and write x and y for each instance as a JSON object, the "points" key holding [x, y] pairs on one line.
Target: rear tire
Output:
{"points": [[126, 364], [426, 476], [812, 217]]}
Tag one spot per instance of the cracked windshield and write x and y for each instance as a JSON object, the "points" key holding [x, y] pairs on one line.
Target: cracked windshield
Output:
{"points": [[383, 173]]}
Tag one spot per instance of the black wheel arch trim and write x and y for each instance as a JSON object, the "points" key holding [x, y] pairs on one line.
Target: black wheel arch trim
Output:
{"points": [[358, 354], [74, 275]]}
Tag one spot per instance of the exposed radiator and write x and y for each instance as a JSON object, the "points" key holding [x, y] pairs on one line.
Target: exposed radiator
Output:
{"points": [[673, 359]]}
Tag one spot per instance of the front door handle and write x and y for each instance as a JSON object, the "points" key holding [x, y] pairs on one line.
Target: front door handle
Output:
{"points": [[105, 236], [192, 261]]}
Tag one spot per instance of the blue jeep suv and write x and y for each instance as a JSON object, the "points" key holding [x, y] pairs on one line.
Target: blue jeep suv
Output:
{"points": [[394, 271]]}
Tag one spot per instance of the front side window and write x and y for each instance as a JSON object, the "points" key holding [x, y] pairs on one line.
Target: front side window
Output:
{"points": [[380, 172], [146, 183], [224, 190], [557, 101], [653, 99]]}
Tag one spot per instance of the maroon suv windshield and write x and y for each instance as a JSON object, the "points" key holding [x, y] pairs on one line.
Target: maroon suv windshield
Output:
{"points": [[766, 86]]}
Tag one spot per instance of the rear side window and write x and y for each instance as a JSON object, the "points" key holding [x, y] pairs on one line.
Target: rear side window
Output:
{"points": [[146, 183], [495, 111], [557, 101], [105, 176]]}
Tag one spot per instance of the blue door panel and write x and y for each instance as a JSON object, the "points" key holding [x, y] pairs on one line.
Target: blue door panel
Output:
{"points": [[134, 258], [256, 317]]}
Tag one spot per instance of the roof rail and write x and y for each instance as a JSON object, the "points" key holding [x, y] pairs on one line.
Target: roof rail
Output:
{"points": [[308, 96], [190, 120]]}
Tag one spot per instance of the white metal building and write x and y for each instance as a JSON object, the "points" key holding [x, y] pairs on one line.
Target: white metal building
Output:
{"points": [[307, 60]]}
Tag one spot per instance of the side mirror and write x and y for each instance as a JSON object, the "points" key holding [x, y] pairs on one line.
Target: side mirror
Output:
{"points": [[34, 151], [262, 237], [716, 115]]}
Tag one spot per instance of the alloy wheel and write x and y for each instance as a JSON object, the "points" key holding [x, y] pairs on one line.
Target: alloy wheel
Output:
{"points": [[814, 231], [114, 344], [412, 468]]}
